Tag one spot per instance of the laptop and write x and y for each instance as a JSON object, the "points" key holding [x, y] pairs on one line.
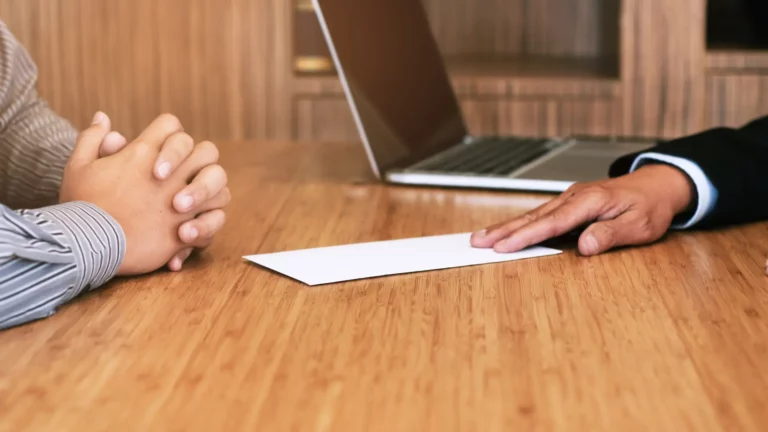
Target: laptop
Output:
{"points": [[409, 118]]}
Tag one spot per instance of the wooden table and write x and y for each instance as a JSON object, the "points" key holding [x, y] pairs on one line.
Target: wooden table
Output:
{"points": [[670, 337]]}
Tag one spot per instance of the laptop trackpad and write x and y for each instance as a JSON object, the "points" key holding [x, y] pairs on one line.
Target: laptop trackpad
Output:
{"points": [[583, 162]]}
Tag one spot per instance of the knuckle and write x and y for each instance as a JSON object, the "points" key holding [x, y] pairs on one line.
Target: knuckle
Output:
{"points": [[223, 198], [549, 230], [182, 145], [169, 121], [214, 223], [577, 189], [608, 233], [218, 222], [558, 223], [594, 190], [530, 217], [219, 172], [644, 227], [555, 223], [201, 193], [596, 194], [210, 153], [141, 148], [574, 188], [496, 226], [204, 228]]}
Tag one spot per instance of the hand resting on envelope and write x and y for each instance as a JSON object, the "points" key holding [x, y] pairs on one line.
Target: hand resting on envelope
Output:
{"points": [[634, 209]]}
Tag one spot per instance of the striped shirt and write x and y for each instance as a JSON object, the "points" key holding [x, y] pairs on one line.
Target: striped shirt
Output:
{"points": [[49, 253]]}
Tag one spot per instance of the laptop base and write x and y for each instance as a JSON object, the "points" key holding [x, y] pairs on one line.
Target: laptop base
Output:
{"points": [[552, 171]]}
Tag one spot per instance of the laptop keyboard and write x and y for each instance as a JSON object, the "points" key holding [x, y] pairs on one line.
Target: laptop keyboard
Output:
{"points": [[489, 156]]}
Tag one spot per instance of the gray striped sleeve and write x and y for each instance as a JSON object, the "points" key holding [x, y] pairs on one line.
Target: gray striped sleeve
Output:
{"points": [[35, 143], [50, 255]]}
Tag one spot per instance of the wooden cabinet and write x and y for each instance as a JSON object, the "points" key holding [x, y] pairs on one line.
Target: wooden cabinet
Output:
{"points": [[229, 68], [736, 62], [737, 87]]}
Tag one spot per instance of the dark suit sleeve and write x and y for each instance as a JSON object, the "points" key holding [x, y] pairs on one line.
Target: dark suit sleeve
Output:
{"points": [[736, 163]]}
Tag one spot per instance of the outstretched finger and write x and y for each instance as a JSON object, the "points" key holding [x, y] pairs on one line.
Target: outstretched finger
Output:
{"points": [[563, 219], [491, 235]]}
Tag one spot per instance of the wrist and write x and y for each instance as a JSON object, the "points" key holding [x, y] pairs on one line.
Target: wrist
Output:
{"points": [[670, 185]]}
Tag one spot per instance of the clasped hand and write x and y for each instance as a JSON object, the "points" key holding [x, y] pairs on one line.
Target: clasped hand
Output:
{"points": [[166, 192]]}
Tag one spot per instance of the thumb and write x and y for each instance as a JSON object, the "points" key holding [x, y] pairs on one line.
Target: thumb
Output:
{"points": [[602, 236], [112, 144], [89, 141]]}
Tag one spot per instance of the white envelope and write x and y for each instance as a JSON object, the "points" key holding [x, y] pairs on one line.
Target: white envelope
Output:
{"points": [[367, 260]]}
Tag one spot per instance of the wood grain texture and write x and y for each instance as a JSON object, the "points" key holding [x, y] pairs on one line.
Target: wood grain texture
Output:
{"points": [[542, 118], [587, 28], [737, 62], [548, 78], [222, 66], [669, 337], [328, 119], [734, 100], [324, 119], [533, 97], [663, 60]]}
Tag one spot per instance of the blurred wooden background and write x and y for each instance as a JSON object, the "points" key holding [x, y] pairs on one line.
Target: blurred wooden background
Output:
{"points": [[221, 65], [225, 67]]}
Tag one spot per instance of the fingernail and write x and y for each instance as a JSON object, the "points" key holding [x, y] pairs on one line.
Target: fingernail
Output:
{"points": [[481, 233], [98, 118], [590, 244], [185, 202], [164, 169], [176, 264], [192, 233]]}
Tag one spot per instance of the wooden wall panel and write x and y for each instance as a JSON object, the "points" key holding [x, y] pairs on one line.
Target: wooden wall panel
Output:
{"points": [[524, 117], [729, 62], [663, 67], [585, 28], [324, 120], [542, 118], [735, 100], [329, 119], [224, 66], [600, 118], [220, 65]]}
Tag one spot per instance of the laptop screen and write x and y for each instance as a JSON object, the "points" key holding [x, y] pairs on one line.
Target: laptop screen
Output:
{"points": [[396, 77]]}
